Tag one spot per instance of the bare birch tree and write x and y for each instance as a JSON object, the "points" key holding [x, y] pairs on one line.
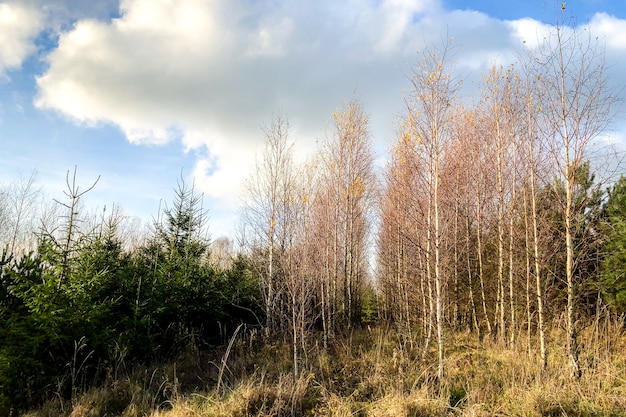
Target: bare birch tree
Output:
{"points": [[575, 107], [430, 117], [346, 172], [399, 244], [266, 214], [534, 154]]}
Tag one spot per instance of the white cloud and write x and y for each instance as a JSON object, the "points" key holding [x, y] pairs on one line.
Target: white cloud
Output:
{"points": [[612, 29], [395, 17], [20, 25], [271, 38], [210, 74], [529, 31], [138, 71]]}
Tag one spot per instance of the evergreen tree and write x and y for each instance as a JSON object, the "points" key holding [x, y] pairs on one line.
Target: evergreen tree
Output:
{"points": [[586, 236], [613, 272]]}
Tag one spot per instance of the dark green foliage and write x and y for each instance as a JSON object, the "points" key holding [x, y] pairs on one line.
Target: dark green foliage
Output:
{"points": [[180, 298], [55, 337], [75, 315], [369, 304], [587, 238], [457, 396], [34, 329], [239, 294], [613, 278]]}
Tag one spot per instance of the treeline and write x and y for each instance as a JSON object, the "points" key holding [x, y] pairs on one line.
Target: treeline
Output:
{"points": [[490, 217], [493, 219], [493, 216]]}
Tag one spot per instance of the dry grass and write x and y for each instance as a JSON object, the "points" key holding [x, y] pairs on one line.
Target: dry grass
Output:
{"points": [[374, 373]]}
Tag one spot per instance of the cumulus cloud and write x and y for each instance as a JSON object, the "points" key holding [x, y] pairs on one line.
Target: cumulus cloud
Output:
{"points": [[612, 29], [210, 74], [20, 24], [529, 31]]}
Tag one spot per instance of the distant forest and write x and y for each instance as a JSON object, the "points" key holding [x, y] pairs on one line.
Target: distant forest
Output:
{"points": [[500, 218]]}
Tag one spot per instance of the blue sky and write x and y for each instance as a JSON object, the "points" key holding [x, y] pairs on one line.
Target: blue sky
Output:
{"points": [[141, 92], [543, 10]]}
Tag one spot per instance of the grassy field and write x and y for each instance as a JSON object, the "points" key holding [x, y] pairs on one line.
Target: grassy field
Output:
{"points": [[368, 372]]}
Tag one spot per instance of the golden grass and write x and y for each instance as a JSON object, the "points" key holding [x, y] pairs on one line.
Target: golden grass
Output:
{"points": [[374, 373]]}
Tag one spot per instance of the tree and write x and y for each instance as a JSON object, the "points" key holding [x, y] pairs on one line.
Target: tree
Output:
{"points": [[478, 159], [347, 178], [430, 117], [181, 297], [468, 190], [182, 234], [299, 271], [613, 278], [503, 109], [399, 242], [63, 244], [533, 154], [21, 210], [267, 215], [575, 108]]}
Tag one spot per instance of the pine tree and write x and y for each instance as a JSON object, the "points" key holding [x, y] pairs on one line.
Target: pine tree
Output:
{"points": [[613, 271]]}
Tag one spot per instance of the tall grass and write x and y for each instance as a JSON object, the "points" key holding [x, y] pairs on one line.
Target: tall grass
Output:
{"points": [[372, 372]]}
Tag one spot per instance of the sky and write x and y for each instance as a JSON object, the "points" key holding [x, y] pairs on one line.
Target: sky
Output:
{"points": [[142, 93]]}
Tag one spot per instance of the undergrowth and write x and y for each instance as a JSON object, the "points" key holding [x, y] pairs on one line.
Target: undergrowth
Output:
{"points": [[368, 372]]}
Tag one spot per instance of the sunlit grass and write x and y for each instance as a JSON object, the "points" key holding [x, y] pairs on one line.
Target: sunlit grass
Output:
{"points": [[373, 372]]}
